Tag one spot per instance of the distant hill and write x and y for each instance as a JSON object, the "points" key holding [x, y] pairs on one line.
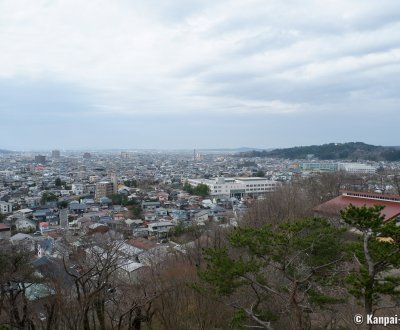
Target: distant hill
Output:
{"points": [[332, 151], [3, 151]]}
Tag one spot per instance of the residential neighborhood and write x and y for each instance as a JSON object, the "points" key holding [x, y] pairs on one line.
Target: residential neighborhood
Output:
{"points": [[142, 210]]}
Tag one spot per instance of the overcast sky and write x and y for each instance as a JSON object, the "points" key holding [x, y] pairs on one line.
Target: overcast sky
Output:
{"points": [[198, 73]]}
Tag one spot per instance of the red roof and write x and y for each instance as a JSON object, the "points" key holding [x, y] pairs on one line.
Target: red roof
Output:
{"points": [[333, 206], [4, 227], [370, 194]]}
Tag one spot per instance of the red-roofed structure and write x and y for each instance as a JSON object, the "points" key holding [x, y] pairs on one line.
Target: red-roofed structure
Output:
{"points": [[43, 226], [5, 231], [333, 207]]}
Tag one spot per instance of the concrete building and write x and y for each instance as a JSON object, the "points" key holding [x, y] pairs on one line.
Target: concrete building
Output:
{"points": [[357, 168], [40, 159], [236, 187], [114, 181], [320, 167], [104, 189], [77, 188], [55, 154], [126, 155], [5, 207]]}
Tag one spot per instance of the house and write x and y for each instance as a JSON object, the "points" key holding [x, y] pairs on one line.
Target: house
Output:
{"points": [[201, 217], [105, 202], [162, 196], [5, 231], [24, 212], [133, 223], [140, 232], [180, 216], [24, 224], [333, 207], [42, 214], [44, 226], [119, 216], [150, 216], [160, 227], [207, 203], [161, 212], [25, 240], [150, 206], [217, 210], [65, 193], [87, 201], [105, 219], [77, 188], [77, 208], [130, 269]]}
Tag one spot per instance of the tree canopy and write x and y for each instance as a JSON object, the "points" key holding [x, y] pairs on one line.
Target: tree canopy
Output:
{"points": [[201, 189], [48, 196], [290, 268], [377, 254]]}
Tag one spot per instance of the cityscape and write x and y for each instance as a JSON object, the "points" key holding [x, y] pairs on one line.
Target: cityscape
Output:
{"points": [[199, 165], [151, 207]]}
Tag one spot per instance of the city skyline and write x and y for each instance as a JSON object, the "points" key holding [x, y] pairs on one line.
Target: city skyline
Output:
{"points": [[199, 74]]}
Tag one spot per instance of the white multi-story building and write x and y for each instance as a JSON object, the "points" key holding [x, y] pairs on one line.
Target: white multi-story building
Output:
{"points": [[5, 207], [236, 187], [78, 188], [357, 168]]}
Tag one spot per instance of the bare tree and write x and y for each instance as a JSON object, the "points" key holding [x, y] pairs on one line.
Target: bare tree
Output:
{"points": [[16, 278]]}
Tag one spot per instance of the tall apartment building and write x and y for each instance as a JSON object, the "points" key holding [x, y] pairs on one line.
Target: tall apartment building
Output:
{"points": [[236, 187], [126, 155], [5, 207], [104, 189], [55, 154], [114, 181]]}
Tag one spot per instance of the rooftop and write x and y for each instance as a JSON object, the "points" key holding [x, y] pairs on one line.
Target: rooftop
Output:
{"points": [[334, 206]]}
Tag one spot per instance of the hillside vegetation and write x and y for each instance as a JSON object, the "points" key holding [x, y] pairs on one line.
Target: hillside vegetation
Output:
{"points": [[332, 151]]}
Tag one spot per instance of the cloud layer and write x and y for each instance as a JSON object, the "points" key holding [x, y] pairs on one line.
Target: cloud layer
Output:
{"points": [[86, 62]]}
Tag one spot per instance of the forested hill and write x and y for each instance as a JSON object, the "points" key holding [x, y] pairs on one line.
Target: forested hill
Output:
{"points": [[332, 151]]}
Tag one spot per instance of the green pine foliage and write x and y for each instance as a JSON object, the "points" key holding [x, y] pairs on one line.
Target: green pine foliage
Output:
{"points": [[377, 255], [288, 268]]}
